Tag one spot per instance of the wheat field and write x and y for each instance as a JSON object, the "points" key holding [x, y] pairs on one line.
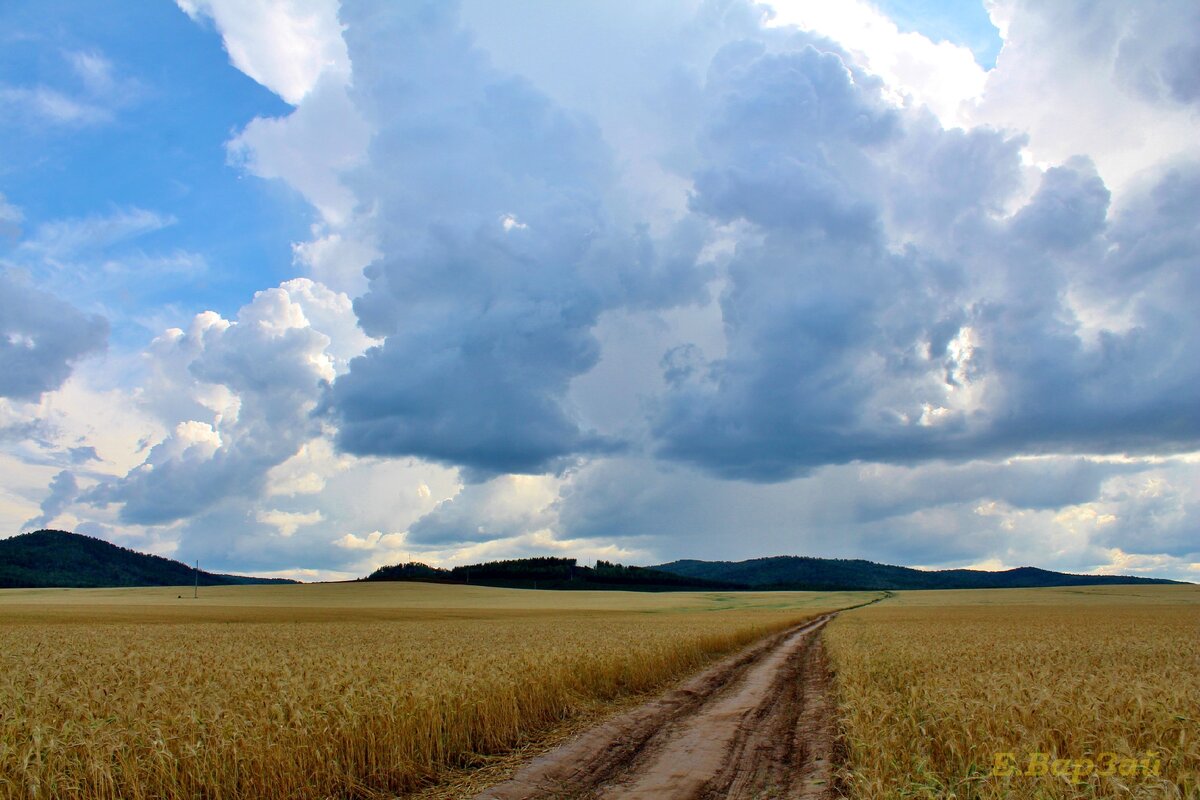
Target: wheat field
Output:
{"points": [[379, 690], [361, 690], [1048, 693]]}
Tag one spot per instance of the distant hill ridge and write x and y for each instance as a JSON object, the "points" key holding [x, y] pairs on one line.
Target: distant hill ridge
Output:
{"points": [[805, 572], [50, 559], [549, 573]]}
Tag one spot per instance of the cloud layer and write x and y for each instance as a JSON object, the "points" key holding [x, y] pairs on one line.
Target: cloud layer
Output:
{"points": [[497, 262], [691, 279], [890, 297]]}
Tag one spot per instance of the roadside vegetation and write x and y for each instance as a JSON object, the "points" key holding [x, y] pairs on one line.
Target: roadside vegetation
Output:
{"points": [[1045, 693]]}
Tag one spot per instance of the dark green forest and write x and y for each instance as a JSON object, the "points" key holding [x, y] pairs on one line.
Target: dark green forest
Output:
{"points": [[47, 558], [831, 574], [549, 573]]}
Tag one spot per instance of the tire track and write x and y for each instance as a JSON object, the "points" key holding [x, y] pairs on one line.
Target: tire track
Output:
{"points": [[757, 725]]}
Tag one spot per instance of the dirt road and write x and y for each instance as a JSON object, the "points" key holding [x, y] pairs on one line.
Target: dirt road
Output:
{"points": [[759, 724]]}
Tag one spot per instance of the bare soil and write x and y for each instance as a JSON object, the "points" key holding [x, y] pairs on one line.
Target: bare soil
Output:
{"points": [[758, 725]]}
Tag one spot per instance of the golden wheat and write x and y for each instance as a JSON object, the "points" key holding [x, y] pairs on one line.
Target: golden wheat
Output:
{"points": [[365, 691], [1015, 693]]}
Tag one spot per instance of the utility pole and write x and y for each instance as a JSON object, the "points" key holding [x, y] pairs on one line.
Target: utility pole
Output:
{"points": [[196, 588]]}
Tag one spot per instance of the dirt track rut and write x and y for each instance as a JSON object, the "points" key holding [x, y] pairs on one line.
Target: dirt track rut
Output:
{"points": [[759, 724]]}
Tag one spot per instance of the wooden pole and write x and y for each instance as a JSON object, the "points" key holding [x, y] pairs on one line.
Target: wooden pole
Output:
{"points": [[196, 588]]}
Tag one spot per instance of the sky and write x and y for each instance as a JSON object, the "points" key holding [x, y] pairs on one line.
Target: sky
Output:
{"points": [[304, 287]]}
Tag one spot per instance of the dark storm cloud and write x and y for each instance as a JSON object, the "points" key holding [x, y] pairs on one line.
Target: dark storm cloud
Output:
{"points": [[890, 295], [982, 336], [501, 245]]}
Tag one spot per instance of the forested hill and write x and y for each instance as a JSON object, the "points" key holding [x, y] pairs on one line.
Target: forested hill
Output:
{"points": [[549, 573], [45, 559], [799, 572]]}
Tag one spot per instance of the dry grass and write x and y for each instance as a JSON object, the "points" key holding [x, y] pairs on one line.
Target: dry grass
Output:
{"points": [[328, 691], [934, 684]]}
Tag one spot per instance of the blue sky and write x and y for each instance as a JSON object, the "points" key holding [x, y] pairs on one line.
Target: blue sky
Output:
{"points": [[306, 286], [145, 130], [962, 23]]}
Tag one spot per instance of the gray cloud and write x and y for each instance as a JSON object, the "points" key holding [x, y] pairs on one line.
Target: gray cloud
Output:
{"points": [[983, 336], [881, 303], [1153, 512], [502, 244], [83, 454], [1152, 53], [933, 513], [501, 508], [63, 491], [1155, 53], [41, 338]]}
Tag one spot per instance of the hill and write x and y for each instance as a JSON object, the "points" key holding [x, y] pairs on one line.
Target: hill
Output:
{"points": [[800, 572], [550, 573], [46, 559]]}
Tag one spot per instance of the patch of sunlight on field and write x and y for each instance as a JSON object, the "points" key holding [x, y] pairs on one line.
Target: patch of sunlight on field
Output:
{"points": [[346, 690], [940, 690]]}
